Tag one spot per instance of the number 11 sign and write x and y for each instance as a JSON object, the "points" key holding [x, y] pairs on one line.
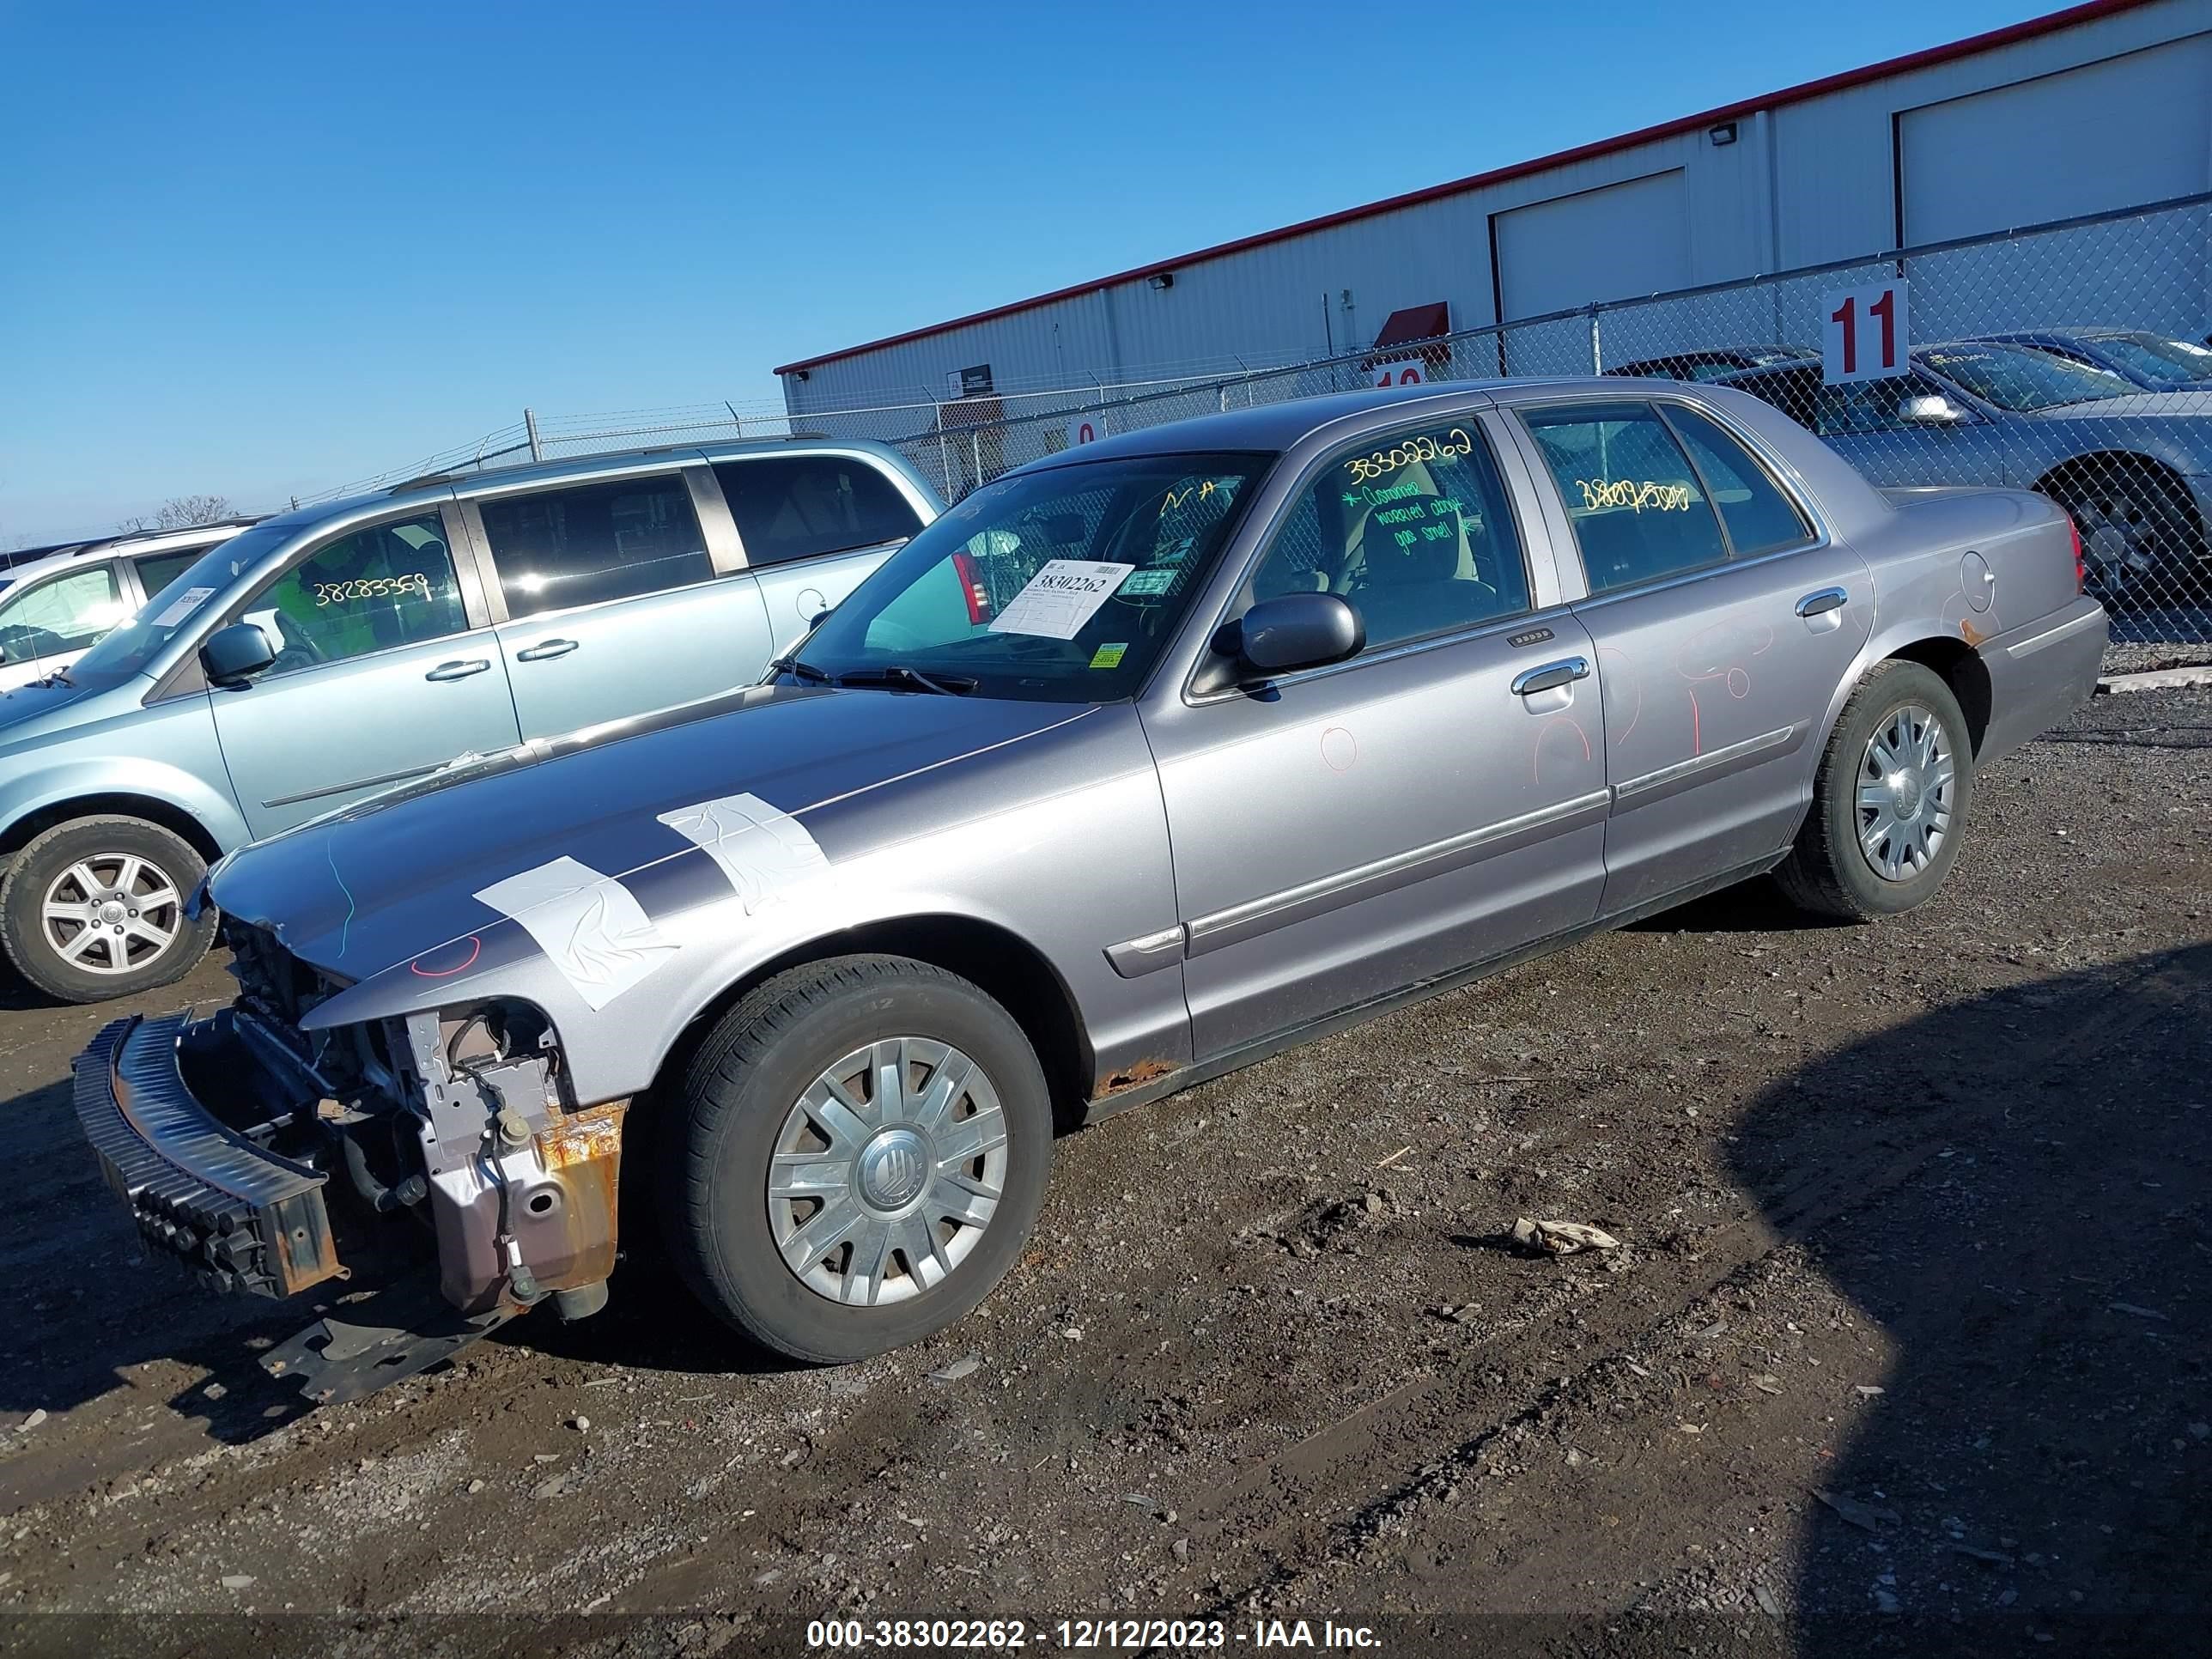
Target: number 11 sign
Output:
{"points": [[1864, 338]]}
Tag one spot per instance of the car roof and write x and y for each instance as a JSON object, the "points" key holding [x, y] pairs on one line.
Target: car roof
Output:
{"points": [[21, 569], [436, 485], [1271, 427]]}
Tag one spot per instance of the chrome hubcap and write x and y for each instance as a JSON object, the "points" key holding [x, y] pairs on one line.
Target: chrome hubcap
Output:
{"points": [[110, 913], [887, 1171], [1905, 800]]}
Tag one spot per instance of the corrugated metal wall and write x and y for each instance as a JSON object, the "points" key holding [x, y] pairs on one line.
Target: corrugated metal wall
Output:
{"points": [[1803, 184]]}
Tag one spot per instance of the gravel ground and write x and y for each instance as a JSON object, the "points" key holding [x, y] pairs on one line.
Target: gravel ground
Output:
{"points": [[1905, 1343]]}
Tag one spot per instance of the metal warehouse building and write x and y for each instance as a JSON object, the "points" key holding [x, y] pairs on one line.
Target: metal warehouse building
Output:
{"points": [[2101, 107]]}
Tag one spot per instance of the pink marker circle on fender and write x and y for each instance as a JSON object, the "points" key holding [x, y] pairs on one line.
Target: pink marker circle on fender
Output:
{"points": [[1339, 749], [475, 949]]}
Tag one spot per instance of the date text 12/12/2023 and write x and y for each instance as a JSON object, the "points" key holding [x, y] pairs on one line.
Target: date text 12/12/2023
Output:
{"points": [[1078, 1635]]}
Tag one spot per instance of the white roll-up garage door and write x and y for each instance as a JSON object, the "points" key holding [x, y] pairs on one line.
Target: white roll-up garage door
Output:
{"points": [[1612, 243], [2114, 134]]}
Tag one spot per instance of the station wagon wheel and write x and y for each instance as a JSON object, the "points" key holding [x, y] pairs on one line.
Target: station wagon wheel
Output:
{"points": [[95, 907], [1889, 801], [888, 1171], [858, 1151], [1906, 781]]}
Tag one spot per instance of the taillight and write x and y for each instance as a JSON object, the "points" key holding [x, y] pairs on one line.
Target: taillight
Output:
{"points": [[979, 597], [2080, 570]]}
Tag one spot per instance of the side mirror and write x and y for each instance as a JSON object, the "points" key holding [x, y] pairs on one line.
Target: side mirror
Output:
{"points": [[234, 655], [1292, 631], [1929, 410]]}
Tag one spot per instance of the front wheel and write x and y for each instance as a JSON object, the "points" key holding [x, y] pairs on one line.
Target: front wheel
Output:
{"points": [[94, 908], [861, 1147], [1890, 802]]}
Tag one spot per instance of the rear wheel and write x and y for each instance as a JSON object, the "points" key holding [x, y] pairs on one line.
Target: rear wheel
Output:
{"points": [[94, 908], [2141, 541], [861, 1149], [1890, 802]]}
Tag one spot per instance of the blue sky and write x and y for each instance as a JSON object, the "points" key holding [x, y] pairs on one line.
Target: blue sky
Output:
{"points": [[258, 250]]}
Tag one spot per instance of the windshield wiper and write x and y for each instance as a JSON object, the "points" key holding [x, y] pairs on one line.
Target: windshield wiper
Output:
{"points": [[911, 679], [797, 670]]}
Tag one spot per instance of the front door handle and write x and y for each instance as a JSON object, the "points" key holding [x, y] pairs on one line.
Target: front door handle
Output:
{"points": [[1827, 599], [459, 669], [545, 648], [1550, 676]]}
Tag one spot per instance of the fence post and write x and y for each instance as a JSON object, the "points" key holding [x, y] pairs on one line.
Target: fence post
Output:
{"points": [[975, 450], [529, 426], [1597, 342], [735, 419], [944, 452]]}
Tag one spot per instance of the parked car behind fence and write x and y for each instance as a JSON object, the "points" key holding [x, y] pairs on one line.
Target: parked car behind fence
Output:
{"points": [[2132, 468], [334, 651]]}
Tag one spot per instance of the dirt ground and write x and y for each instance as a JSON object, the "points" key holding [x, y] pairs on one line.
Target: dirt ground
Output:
{"points": [[1906, 1348]]}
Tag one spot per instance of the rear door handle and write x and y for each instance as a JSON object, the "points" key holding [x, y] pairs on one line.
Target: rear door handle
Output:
{"points": [[545, 648], [459, 670], [1550, 676], [1827, 599]]}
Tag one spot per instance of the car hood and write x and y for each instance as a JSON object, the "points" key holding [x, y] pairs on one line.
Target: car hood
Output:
{"points": [[376, 884]]}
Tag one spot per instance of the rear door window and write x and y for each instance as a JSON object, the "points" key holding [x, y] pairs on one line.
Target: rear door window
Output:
{"points": [[157, 570], [588, 543], [1637, 507], [797, 506], [1759, 516]]}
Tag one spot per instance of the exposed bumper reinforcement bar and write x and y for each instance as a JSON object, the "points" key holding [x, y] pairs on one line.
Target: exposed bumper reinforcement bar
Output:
{"points": [[241, 1217]]}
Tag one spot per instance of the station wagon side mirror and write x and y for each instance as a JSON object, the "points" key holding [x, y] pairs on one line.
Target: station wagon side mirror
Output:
{"points": [[232, 656], [1287, 633], [1931, 410]]}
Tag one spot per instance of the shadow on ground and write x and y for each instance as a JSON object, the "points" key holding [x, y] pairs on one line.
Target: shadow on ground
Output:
{"points": [[2037, 1475]]}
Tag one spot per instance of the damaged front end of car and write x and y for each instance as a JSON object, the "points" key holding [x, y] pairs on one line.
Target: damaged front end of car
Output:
{"points": [[435, 1165]]}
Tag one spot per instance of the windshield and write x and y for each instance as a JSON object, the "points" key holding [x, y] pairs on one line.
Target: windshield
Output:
{"points": [[2156, 357], [131, 648], [2023, 379], [1061, 586]]}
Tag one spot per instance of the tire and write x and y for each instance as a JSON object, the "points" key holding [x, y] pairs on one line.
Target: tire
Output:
{"points": [[1831, 870], [740, 1100], [79, 865]]}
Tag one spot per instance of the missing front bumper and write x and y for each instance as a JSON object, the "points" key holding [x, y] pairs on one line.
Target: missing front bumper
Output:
{"points": [[239, 1217]]}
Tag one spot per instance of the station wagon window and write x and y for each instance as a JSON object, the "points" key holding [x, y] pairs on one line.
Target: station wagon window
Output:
{"points": [[1638, 510], [1412, 529], [795, 507], [591, 542], [1760, 515], [379, 587], [157, 570], [63, 613]]}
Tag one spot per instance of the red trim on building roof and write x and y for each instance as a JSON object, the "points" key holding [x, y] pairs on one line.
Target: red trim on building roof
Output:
{"points": [[2050, 23]]}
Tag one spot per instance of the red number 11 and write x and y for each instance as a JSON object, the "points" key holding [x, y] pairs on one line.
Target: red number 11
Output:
{"points": [[1847, 314], [1886, 308]]}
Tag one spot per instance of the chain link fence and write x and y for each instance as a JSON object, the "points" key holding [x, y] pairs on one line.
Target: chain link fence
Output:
{"points": [[2100, 394]]}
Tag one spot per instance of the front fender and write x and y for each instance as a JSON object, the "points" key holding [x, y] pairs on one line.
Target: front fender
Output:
{"points": [[25, 791]]}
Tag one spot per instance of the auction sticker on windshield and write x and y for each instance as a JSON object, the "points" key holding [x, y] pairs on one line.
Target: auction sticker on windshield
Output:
{"points": [[1063, 595], [186, 601]]}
